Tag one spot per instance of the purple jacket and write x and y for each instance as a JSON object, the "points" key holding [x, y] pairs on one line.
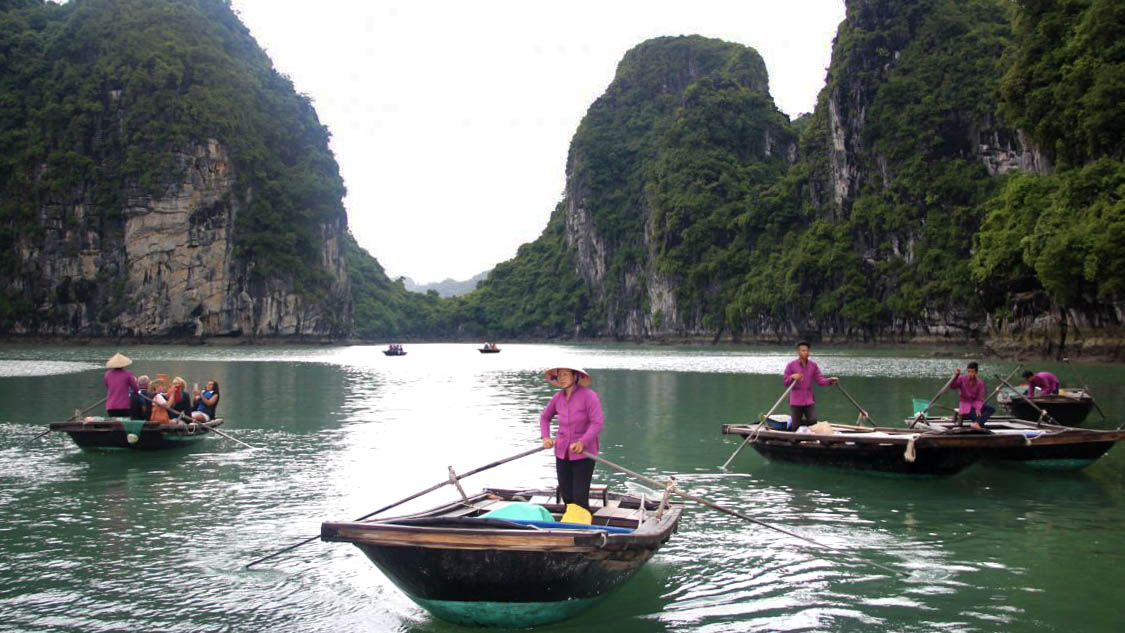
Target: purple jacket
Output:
{"points": [[118, 383], [801, 395], [1046, 381], [971, 393], [580, 418]]}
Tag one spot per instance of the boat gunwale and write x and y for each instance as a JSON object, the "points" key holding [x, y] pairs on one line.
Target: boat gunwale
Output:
{"points": [[1051, 434], [894, 437], [646, 534], [149, 426]]}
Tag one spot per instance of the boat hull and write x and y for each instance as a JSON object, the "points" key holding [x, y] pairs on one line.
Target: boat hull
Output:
{"points": [[875, 459], [882, 450], [1065, 411], [504, 589], [113, 434], [487, 572], [488, 351], [1046, 447]]}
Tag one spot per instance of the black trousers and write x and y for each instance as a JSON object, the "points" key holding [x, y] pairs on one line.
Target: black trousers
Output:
{"points": [[574, 480], [796, 413], [117, 413]]}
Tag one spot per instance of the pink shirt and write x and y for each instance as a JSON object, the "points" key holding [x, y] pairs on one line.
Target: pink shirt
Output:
{"points": [[971, 393], [117, 383], [1046, 381], [580, 418], [801, 395]]}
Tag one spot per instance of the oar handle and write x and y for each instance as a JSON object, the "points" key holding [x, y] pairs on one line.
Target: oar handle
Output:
{"points": [[404, 500], [1042, 413], [768, 414], [783, 394], [710, 504], [182, 416], [862, 411], [89, 407]]}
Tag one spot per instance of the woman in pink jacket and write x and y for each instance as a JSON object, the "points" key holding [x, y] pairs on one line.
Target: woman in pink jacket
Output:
{"points": [[580, 421]]}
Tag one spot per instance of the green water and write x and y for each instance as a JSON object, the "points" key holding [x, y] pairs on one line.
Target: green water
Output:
{"points": [[157, 542]]}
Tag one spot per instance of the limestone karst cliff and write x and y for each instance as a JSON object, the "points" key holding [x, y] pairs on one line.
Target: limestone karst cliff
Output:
{"points": [[159, 178], [917, 202]]}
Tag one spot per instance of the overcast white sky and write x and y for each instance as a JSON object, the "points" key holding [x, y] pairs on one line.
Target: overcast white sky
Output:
{"points": [[451, 119]]}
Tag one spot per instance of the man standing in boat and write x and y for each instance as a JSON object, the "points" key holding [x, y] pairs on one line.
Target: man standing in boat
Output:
{"points": [[804, 372], [580, 421], [971, 390], [1047, 382]]}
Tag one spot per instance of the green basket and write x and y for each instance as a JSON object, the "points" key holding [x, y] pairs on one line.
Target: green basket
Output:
{"points": [[920, 406]]}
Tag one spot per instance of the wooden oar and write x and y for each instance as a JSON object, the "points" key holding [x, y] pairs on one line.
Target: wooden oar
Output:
{"points": [[862, 412], [1042, 414], [710, 504], [922, 414], [181, 416], [770, 412], [77, 414], [452, 479], [1085, 387]]}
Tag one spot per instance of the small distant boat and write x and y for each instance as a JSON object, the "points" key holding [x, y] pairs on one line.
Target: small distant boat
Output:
{"points": [[126, 434], [489, 350], [395, 350], [512, 573], [1069, 407], [881, 449], [1046, 446]]}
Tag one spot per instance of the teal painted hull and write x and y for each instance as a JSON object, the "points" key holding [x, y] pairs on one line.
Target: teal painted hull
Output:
{"points": [[505, 615]]}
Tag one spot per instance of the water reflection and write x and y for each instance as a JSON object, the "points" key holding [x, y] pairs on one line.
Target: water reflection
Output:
{"points": [[99, 542]]}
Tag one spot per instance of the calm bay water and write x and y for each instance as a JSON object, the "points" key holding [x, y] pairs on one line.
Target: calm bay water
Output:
{"points": [[157, 542]]}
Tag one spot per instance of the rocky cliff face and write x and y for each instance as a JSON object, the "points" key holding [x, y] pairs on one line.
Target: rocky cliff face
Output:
{"points": [[159, 178], [610, 214], [167, 267], [878, 31]]}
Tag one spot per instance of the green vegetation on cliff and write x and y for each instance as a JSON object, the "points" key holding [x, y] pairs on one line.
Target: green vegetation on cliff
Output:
{"points": [[1062, 232], [102, 101]]}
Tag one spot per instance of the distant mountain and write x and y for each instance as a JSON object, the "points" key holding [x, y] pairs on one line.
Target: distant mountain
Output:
{"points": [[447, 287]]}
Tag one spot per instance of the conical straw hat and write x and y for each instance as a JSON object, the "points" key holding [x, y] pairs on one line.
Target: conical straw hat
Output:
{"points": [[117, 361], [550, 374]]}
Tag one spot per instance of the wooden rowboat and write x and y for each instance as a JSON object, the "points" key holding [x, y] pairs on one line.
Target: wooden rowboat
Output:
{"points": [[1069, 407], [396, 352], [508, 573], [881, 449], [1046, 446], [488, 350], [125, 433]]}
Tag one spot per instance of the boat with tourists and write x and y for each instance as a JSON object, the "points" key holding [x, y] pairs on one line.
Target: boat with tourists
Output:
{"points": [[394, 349], [505, 558], [1069, 407], [1045, 446], [489, 348], [102, 433], [871, 449]]}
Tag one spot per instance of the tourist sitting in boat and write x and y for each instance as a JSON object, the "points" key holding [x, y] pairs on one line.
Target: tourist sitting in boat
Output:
{"points": [[159, 400], [802, 372], [1047, 383], [206, 402], [140, 404], [580, 421], [120, 385], [178, 397], [971, 390]]}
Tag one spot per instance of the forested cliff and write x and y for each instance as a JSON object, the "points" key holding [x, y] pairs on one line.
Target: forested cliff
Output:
{"points": [[959, 179], [158, 177]]}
